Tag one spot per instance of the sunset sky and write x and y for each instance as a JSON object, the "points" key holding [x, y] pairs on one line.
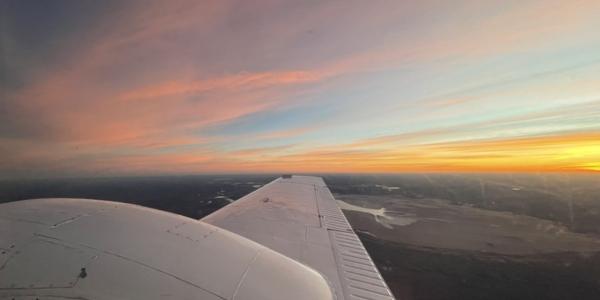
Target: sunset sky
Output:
{"points": [[101, 88]]}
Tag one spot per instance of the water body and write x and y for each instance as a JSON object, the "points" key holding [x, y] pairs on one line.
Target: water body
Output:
{"points": [[224, 198], [380, 215]]}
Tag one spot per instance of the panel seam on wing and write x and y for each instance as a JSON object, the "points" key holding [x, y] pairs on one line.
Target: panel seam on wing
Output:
{"points": [[243, 277], [106, 252]]}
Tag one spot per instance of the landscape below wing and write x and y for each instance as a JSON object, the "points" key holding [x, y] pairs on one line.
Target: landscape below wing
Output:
{"points": [[298, 217]]}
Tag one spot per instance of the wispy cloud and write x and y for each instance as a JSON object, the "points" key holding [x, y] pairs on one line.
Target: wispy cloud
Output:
{"points": [[243, 81], [407, 87]]}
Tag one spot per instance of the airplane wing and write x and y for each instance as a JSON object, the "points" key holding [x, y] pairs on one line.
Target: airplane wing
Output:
{"points": [[287, 240], [298, 216]]}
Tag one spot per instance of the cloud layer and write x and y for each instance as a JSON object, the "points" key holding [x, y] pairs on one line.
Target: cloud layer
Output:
{"points": [[225, 86]]}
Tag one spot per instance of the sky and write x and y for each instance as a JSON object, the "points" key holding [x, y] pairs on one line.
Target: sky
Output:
{"points": [[102, 88]]}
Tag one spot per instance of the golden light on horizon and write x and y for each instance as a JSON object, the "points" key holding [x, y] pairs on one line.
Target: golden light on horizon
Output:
{"points": [[558, 153]]}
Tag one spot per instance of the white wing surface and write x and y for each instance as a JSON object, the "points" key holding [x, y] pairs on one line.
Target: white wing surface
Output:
{"points": [[90, 249], [298, 217]]}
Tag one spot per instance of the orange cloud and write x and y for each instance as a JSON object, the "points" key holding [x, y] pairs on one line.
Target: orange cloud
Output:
{"points": [[572, 152], [279, 134], [257, 152], [578, 152]]}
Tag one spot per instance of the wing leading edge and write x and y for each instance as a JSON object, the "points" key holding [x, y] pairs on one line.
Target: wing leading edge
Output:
{"points": [[298, 216]]}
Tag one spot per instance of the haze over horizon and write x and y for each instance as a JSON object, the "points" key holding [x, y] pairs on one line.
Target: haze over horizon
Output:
{"points": [[180, 87]]}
